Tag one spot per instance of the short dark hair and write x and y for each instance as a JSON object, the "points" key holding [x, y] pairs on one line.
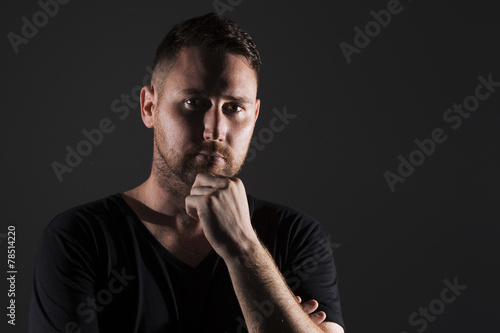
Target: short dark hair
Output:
{"points": [[213, 32]]}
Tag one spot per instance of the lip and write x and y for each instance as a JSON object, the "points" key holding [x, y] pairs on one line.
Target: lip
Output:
{"points": [[212, 157]]}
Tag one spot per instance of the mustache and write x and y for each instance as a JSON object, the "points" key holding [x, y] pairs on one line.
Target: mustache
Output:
{"points": [[210, 147]]}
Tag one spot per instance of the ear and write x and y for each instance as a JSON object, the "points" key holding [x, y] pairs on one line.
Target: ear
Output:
{"points": [[257, 109], [148, 106]]}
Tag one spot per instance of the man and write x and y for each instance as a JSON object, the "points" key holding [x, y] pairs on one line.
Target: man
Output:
{"points": [[188, 250]]}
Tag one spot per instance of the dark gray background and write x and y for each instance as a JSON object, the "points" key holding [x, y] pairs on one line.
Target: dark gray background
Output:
{"points": [[353, 120]]}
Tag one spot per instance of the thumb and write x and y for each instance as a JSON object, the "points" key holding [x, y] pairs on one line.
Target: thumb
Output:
{"points": [[191, 206]]}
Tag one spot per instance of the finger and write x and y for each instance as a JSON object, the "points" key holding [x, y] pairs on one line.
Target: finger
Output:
{"points": [[202, 190], [193, 205], [310, 306], [208, 179], [298, 299], [318, 317]]}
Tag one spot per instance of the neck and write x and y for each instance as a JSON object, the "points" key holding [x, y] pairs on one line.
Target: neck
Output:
{"points": [[157, 197], [160, 205]]}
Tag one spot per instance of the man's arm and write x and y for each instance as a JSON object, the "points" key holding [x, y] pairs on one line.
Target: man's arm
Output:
{"points": [[259, 285], [63, 278], [220, 204]]}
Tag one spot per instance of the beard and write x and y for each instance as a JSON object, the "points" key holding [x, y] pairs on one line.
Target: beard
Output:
{"points": [[176, 170]]}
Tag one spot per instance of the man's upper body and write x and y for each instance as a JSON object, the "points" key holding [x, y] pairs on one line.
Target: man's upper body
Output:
{"points": [[193, 228], [99, 269]]}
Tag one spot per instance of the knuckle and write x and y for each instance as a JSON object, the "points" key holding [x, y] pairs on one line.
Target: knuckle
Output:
{"points": [[210, 200], [226, 182], [198, 178]]}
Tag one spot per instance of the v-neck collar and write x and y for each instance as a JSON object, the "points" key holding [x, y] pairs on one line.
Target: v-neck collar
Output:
{"points": [[163, 250]]}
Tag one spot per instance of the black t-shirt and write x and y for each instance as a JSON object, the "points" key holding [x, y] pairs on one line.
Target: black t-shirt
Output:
{"points": [[99, 269]]}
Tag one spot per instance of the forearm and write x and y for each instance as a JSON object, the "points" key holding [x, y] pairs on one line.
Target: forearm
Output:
{"points": [[267, 303]]}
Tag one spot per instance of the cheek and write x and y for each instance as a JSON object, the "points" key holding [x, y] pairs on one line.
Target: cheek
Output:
{"points": [[242, 137], [176, 129]]}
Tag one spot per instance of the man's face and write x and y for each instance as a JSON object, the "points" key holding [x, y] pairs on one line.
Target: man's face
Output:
{"points": [[204, 116]]}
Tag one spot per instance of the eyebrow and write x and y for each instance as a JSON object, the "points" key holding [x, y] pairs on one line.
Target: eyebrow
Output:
{"points": [[193, 91]]}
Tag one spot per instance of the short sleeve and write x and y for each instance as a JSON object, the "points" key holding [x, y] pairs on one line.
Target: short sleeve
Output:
{"points": [[310, 268], [64, 278]]}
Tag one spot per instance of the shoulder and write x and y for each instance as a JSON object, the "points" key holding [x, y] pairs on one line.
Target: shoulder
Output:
{"points": [[83, 219], [289, 220], [76, 238], [259, 207]]}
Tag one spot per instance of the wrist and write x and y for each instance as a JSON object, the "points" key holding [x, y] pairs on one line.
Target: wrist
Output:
{"points": [[243, 251]]}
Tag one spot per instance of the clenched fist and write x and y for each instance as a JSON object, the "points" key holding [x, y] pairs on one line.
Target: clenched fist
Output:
{"points": [[220, 204]]}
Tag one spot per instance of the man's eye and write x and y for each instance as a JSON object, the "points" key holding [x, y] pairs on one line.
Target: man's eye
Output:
{"points": [[235, 108], [197, 103], [192, 102]]}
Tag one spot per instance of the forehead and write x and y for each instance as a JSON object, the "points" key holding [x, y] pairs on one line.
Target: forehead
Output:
{"points": [[196, 68]]}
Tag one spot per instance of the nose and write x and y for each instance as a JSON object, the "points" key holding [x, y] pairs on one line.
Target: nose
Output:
{"points": [[214, 122]]}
